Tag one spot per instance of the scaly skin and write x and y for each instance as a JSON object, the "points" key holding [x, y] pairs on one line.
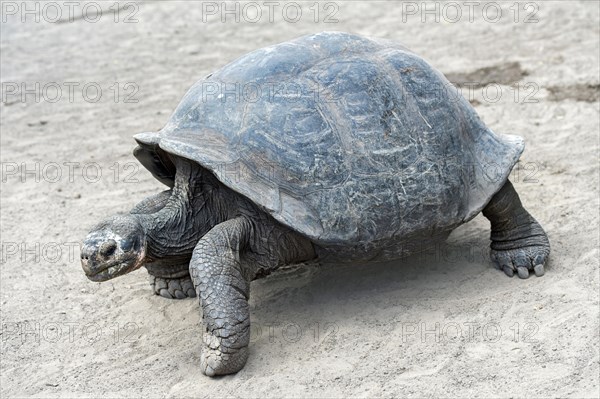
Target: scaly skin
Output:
{"points": [[152, 204], [167, 280], [223, 286], [224, 262], [171, 279], [172, 288], [519, 243]]}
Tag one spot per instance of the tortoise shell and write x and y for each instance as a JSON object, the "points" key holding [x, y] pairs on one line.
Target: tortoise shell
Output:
{"points": [[342, 138]]}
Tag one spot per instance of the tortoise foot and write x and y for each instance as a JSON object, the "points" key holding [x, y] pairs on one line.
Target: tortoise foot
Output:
{"points": [[218, 358], [522, 250], [173, 288]]}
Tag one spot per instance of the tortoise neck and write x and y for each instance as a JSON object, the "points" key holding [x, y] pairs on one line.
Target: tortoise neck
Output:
{"points": [[197, 204]]}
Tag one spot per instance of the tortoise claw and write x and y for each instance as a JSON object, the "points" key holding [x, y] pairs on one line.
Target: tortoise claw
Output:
{"points": [[539, 270], [523, 272]]}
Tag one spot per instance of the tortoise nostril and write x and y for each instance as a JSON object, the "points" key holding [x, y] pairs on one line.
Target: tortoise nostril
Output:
{"points": [[86, 252], [108, 248]]}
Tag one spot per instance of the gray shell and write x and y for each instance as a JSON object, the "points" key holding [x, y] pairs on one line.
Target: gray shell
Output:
{"points": [[342, 138]]}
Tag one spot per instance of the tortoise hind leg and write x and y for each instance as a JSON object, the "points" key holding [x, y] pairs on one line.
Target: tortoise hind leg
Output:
{"points": [[519, 242], [171, 282]]}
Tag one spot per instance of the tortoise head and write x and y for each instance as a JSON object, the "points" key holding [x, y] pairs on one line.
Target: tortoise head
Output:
{"points": [[114, 247]]}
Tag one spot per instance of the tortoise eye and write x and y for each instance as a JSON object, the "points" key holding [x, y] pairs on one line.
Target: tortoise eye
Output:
{"points": [[108, 248]]}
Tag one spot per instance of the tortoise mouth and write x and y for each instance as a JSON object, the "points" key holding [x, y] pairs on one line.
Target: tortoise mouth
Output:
{"points": [[114, 270]]}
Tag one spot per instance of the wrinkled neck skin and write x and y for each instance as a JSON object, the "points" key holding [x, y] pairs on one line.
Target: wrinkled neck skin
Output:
{"points": [[197, 204]]}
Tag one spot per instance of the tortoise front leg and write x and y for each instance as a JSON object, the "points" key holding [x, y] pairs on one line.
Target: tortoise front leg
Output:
{"points": [[223, 287], [224, 262]]}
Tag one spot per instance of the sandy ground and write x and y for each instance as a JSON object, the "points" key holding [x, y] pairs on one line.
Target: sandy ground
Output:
{"points": [[442, 324]]}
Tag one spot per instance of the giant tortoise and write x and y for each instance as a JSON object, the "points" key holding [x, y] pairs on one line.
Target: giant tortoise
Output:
{"points": [[330, 147]]}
